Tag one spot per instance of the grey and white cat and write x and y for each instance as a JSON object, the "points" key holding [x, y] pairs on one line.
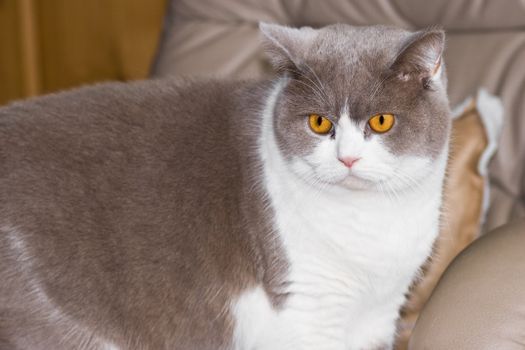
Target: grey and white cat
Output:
{"points": [[284, 214]]}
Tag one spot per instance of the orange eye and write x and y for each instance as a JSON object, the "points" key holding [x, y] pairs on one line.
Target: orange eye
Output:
{"points": [[319, 125], [381, 123]]}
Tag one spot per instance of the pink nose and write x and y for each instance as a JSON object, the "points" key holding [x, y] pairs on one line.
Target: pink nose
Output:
{"points": [[348, 161]]}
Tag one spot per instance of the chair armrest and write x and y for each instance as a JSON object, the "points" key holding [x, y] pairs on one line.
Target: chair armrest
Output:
{"points": [[479, 303]]}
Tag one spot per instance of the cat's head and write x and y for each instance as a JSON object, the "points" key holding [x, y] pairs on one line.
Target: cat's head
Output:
{"points": [[361, 107]]}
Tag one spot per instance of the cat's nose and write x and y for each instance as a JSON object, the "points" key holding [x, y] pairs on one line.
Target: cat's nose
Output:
{"points": [[348, 161]]}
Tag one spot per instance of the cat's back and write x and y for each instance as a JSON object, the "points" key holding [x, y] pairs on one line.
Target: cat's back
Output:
{"points": [[142, 143], [127, 133], [111, 200], [108, 117]]}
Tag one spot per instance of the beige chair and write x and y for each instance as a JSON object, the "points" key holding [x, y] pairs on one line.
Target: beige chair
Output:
{"points": [[478, 303]]}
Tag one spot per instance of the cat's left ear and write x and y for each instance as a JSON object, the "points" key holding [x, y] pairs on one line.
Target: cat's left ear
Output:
{"points": [[286, 46], [421, 57]]}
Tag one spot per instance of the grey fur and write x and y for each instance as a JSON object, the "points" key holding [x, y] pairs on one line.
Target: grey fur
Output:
{"points": [[134, 213]]}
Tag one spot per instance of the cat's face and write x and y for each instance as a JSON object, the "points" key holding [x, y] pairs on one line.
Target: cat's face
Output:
{"points": [[361, 107]]}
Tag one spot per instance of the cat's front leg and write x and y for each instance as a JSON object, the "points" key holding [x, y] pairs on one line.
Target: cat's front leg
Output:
{"points": [[376, 345], [383, 347], [372, 335]]}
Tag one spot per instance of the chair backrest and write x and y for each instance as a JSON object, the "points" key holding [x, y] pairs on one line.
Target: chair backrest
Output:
{"points": [[485, 48]]}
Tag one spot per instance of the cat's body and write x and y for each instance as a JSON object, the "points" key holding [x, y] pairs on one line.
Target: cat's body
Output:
{"points": [[109, 218], [198, 215], [349, 266]]}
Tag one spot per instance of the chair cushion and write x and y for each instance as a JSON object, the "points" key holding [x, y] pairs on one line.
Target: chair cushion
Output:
{"points": [[485, 48]]}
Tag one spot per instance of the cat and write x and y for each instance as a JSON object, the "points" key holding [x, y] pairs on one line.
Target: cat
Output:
{"points": [[288, 213]]}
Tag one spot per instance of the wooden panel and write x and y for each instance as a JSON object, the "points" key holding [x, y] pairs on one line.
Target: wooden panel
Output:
{"points": [[29, 47], [137, 29], [87, 41], [75, 42], [49, 45], [11, 79]]}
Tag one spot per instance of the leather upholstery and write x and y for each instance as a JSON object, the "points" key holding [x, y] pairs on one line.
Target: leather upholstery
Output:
{"points": [[479, 304], [485, 48]]}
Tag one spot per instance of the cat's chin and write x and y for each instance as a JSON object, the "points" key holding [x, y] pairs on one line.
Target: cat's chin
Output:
{"points": [[346, 180], [353, 182], [349, 182]]}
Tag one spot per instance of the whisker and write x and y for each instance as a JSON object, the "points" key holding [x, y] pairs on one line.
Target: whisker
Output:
{"points": [[322, 93], [317, 78]]}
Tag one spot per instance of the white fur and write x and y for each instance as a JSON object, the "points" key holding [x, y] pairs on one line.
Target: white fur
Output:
{"points": [[110, 346], [355, 241]]}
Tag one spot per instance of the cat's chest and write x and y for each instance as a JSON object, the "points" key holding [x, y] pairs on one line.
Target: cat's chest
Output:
{"points": [[350, 264], [349, 236], [382, 243]]}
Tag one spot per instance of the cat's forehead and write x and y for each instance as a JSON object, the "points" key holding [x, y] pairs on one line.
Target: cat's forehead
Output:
{"points": [[355, 42], [351, 62], [354, 52]]}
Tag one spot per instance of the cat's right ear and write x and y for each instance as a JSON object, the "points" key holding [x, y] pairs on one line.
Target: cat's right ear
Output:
{"points": [[285, 46]]}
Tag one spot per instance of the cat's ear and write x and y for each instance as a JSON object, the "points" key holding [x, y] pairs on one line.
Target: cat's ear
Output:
{"points": [[286, 46], [421, 57]]}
